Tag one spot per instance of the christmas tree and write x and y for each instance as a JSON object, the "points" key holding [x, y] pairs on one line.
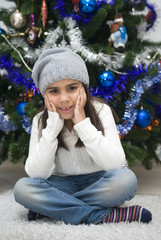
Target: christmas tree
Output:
{"points": [[124, 68]]}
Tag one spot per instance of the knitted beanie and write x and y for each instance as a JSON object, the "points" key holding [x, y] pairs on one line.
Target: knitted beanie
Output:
{"points": [[58, 64]]}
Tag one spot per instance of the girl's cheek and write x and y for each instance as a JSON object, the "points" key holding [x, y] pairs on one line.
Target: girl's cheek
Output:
{"points": [[77, 93], [52, 100]]}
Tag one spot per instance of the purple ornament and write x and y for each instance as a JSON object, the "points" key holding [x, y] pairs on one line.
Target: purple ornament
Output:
{"points": [[33, 32]]}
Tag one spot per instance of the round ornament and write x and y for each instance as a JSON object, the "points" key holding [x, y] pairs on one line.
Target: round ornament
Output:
{"points": [[143, 119], [20, 108], [87, 6], [106, 79], [1, 31], [17, 19]]}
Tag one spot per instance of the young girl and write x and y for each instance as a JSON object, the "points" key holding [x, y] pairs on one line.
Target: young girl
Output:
{"points": [[76, 164]]}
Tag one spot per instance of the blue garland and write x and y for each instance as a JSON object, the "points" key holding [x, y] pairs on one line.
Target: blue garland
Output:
{"points": [[154, 15], [15, 75], [79, 17]]}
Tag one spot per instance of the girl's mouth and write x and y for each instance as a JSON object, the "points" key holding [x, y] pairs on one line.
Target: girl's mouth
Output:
{"points": [[65, 109]]}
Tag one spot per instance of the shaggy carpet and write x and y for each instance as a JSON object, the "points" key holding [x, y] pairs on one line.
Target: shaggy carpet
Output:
{"points": [[15, 226]]}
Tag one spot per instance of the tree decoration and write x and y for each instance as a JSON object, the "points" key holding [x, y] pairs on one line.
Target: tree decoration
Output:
{"points": [[154, 123], [1, 31], [87, 6], [76, 44], [32, 32], [143, 119], [26, 124], [44, 13], [80, 17], [15, 75], [6, 124], [17, 19], [151, 16], [76, 5], [106, 79], [130, 113], [22, 59], [20, 108], [118, 37], [120, 84]]}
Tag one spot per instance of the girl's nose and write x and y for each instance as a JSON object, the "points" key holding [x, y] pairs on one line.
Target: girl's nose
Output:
{"points": [[64, 98]]}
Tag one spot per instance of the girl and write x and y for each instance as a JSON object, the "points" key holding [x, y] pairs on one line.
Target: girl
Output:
{"points": [[76, 164]]}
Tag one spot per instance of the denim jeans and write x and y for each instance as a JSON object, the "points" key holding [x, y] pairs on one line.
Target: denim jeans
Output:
{"points": [[77, 199]]}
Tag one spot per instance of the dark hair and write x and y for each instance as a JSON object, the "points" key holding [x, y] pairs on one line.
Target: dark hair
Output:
{"points": [[90, 112]]}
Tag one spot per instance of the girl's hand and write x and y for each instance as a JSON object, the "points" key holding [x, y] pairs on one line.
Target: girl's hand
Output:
{"points": [[79, 113], [49, 105]]}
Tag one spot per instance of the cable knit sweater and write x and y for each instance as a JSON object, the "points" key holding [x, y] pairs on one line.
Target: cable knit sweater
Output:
{"points": [[99, 152]]}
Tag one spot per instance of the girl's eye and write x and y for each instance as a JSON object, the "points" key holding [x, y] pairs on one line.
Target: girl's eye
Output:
{"points": [[72, 88], [53, 91]]}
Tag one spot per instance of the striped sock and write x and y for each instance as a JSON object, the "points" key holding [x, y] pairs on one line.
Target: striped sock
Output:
{"points": [[129, 214]]}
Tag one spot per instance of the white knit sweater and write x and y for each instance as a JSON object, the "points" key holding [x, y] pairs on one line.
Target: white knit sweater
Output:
{"points": [[100, 152]]}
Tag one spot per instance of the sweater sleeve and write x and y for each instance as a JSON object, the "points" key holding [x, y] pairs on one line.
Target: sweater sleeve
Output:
{"points": [[106, 150], [41, 158]]}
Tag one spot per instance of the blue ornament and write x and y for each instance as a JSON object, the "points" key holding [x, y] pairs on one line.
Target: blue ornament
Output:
{"points": [[143, 119], [106, 79], [87, 6], [1, 31], [20, 108]]}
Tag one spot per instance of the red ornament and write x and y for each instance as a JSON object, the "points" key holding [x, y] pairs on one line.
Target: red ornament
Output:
{"points": [[75, 1], [149, 16], [76, 5], [44, 13]]}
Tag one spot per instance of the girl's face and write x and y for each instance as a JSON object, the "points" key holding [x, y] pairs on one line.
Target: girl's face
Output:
{"points": [[63, 94]]}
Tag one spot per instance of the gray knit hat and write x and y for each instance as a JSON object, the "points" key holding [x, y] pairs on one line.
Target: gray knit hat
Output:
{"points": [[57, 64]]}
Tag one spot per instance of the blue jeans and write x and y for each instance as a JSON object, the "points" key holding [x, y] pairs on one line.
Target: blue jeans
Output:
{"points": [[77, 199]]}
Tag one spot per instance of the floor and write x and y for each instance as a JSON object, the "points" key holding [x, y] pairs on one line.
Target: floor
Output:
{"points": [[149, 182]]}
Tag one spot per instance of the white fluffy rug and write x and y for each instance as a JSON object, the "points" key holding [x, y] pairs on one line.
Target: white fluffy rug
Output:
{"points": [[15, 226]]}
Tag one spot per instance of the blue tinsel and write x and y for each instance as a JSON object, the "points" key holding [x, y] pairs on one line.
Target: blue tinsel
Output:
{"points": [[130, 113], [79, 17], [5, 124], [15, 75], [154, 15]]}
